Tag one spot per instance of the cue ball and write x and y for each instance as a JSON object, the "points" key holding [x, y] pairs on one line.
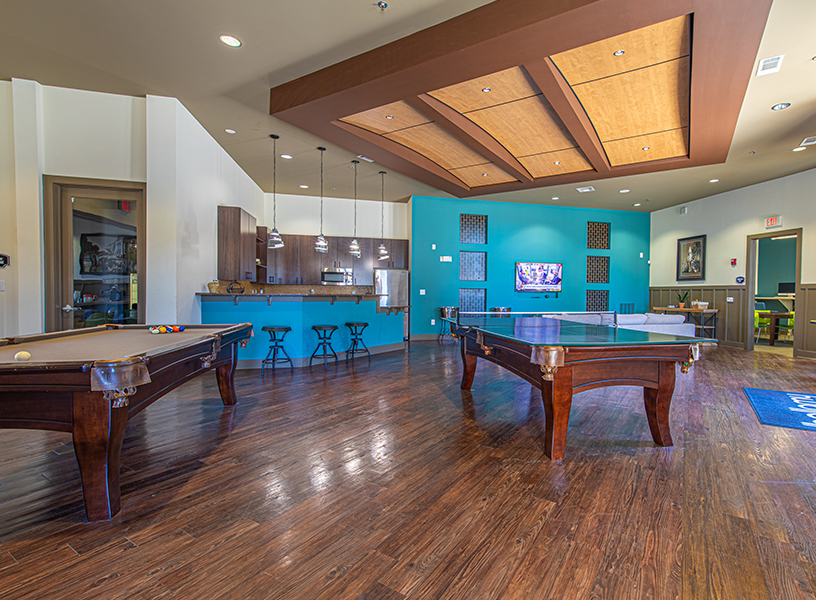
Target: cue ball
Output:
{"points": [[22, 355]]}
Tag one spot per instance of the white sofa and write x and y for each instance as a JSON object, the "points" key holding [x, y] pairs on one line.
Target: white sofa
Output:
{"points": [[652, 322]]}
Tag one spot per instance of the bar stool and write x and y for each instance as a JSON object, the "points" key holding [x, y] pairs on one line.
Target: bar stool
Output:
{"points": [[276, 344], [324, 333], [357, 340]]}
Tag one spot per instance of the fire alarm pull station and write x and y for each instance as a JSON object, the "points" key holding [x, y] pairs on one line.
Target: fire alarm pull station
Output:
{"points": [[733, 262]]}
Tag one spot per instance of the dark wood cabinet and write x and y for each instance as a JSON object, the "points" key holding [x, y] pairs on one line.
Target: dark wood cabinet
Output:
{"points": [[237, 237], [261, 258], [298, 262]]}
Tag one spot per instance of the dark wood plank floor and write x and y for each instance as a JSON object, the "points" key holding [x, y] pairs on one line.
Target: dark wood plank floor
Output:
{"points": [[383, 481]]}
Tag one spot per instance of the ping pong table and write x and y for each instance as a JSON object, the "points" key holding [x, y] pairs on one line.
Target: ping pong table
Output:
{"points": [[565, 354]]}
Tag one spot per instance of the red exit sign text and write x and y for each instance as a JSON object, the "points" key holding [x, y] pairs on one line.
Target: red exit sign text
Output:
{"points": [[773, 222]]}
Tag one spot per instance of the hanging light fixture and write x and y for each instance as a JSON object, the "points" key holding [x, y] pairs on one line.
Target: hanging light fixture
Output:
{"points": [[321, 245], [274, 240], [382, 252], [354, 247]]}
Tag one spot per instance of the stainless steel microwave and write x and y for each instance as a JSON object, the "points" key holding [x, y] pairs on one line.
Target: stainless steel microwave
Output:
{"points": [[335, 276]]}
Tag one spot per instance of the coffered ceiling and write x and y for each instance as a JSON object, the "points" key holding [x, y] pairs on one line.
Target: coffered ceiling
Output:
{"points": [[563, 111]]}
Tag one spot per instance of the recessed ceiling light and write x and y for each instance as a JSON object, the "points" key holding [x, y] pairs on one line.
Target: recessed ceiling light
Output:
{"points": [[305, 187], [286, 156], [636, 204], [555, 197], [232, 42], [799, 149], [389, 116], [230, 131], [365, 158], [781, 106], [484, 174], [645, 147], [558, 162], [485, 90], [624, 191], [619, 52], [752, 152], [713, 180]]}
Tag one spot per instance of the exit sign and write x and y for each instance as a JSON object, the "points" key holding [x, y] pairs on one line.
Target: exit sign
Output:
{"points": [[124, 205], [771, 222]]}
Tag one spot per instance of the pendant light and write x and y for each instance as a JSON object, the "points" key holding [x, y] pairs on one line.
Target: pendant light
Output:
{"points": [[382, 252], [274, 240], [354, 247], [321, 245]]}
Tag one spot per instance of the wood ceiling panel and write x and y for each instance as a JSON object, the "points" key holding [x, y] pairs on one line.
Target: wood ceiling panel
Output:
{"points": [[524, 127], [639, 102], [666, 144], [377, 119], [433, 142], [505, 86], [571, 160], [658, 43], [482, 175]]}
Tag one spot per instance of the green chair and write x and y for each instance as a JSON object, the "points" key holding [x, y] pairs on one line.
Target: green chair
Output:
{"points": [[761, 322], [786, 324]]}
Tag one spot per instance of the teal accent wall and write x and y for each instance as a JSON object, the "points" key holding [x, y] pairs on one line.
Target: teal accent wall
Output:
{"points": [[520, 233], [300, 315], [776, 263]]}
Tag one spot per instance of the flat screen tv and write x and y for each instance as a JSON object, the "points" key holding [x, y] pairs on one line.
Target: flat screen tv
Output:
{"points": [[538, 277]]}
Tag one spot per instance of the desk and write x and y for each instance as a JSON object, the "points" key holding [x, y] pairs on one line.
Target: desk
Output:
{"points": [[90, 382], [704, 319], [774, 318], [562, 357]]}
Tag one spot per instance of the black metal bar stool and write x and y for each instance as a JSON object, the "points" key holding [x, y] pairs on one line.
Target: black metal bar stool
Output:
{"points": [[357, 340], [324, 333], [277, 344]]}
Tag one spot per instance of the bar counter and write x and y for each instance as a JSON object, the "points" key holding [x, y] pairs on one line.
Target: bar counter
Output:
{"points": [[300, 307]]}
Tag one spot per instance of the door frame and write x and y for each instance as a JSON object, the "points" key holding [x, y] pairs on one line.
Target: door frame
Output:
{"points": [[58, 250], [751, 246]]}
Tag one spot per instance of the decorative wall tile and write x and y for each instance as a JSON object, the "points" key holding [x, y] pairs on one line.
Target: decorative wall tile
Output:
{"points": [[597, 269], [473, 229], [472, 300], [473, 266], [597, 300], [598, 235]]}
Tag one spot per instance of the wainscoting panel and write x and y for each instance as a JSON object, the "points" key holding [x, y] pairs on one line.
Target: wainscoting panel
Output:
{"points": [[729, 317]]}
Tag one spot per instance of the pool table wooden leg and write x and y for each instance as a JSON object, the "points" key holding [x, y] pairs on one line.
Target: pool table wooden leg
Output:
{"points": [[225, 374], [658, 402], [557, 398], [469, 364], [98, 431]]}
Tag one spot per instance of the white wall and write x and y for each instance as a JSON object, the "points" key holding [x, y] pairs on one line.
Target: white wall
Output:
{"points": [[73, 133], [300, 215], [88, 134], [188, 176], [8, 207], [727, 219]]}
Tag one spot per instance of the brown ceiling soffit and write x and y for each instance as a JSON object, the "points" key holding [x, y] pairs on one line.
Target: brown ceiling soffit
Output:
{"points": [[511, 33]]}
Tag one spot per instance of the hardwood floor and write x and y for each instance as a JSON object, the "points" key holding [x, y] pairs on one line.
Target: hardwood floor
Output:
{"points": [[384, 481]]}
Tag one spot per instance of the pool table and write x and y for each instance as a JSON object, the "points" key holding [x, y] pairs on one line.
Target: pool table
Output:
{"points": [[90, 382]]}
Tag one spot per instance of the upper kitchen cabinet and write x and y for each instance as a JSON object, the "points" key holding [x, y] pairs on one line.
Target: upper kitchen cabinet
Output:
{"points": [[237, 236]]}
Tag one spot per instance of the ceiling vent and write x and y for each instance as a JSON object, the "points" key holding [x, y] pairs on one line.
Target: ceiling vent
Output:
{"points": [[809, 141], [770, 65], [588, 188]]}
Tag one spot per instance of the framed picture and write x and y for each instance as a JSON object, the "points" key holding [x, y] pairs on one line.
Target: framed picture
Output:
{"points": [[107, 254], [691, 258]]}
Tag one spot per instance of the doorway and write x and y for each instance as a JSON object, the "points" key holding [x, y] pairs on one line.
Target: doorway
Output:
{"points": [[772, 284], [94, 252]]}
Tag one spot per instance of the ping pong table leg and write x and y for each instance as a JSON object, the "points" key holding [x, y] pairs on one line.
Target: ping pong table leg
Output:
{"points": [[469, 364], [557, 398], [658, 402]]}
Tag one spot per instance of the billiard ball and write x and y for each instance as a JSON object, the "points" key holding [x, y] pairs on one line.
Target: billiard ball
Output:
{"points": [[22, 355]]}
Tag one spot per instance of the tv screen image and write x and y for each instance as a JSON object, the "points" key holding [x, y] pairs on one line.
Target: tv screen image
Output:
{"points": [[538, 277]]}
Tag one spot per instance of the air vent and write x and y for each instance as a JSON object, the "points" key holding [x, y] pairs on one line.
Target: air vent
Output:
{"points": [[588, 188], [770, 65], [808, 141]]}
